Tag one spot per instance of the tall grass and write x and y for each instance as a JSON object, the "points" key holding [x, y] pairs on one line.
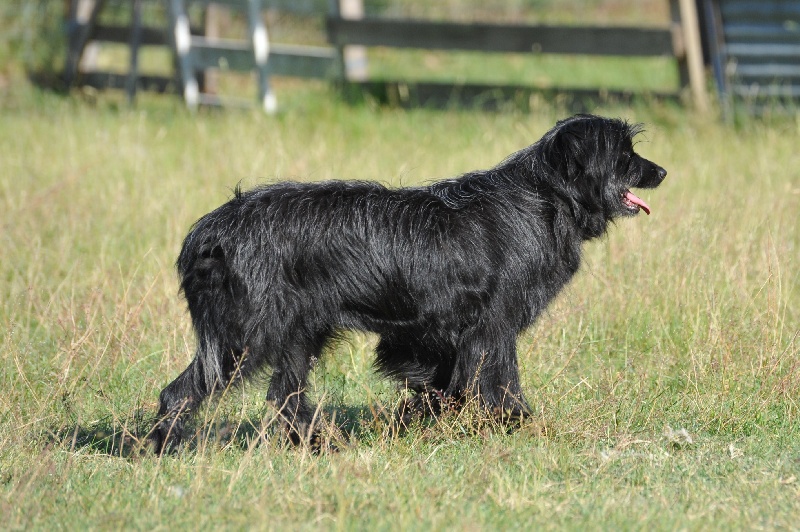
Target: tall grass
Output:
{"points": [[665, 379]]}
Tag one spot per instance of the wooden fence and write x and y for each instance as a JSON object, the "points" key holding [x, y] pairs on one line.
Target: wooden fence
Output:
{"points": [[677, 40], [204, 52]]}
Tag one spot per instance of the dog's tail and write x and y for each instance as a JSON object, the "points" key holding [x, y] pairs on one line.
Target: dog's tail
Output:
{"points": [[211, 291], [203, 247]]}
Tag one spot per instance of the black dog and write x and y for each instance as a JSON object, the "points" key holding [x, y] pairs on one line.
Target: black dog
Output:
{"points": [[448, 275]]}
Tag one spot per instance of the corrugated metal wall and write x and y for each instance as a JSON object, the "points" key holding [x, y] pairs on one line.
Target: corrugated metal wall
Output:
{"points": [[755, 47]]}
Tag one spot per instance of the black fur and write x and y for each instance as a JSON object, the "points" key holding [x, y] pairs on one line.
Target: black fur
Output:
{"points": [[448, 275]]}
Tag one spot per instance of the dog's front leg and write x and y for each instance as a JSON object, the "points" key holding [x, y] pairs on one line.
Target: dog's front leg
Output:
{"points": [[486, 369]]}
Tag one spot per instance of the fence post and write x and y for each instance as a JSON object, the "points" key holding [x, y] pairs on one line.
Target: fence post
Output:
{"points": [[354, 58], [134, 43], [694, 53], [689, 52], [181, 38], [80, 52], [212, 27], [260, 43]]}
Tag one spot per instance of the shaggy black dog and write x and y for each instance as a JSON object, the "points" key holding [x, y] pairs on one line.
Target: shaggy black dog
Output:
{"points": [[448, 275]]}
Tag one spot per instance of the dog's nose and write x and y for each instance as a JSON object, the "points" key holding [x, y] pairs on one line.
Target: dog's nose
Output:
{"points": [[662, 173]]}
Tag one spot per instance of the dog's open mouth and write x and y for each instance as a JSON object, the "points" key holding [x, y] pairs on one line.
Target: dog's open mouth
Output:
{"points": [[634, 202]]}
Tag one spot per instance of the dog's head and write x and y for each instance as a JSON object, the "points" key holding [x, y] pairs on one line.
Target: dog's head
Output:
{"points": [[592, 160]]}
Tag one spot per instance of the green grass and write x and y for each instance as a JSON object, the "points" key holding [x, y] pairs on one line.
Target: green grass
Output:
{"points": [[684, 320], [540, 71]]}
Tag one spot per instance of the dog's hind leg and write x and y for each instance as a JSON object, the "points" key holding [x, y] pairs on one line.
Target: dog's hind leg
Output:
{"points": [[211, 294], [182, 396], [213, 369], [177, 401], [287, 387]]}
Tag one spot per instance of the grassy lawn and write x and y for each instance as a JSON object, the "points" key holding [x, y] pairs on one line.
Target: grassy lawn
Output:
{"points": [[666, 378]]}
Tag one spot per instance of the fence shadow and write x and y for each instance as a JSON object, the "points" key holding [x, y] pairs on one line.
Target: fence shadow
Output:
{"points": [[410, 95]]}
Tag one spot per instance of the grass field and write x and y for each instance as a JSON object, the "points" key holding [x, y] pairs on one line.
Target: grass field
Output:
{"points": [[665, 379]]}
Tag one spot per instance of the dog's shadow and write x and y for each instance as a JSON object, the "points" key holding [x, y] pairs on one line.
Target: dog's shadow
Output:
{"points": [[338, 426]]}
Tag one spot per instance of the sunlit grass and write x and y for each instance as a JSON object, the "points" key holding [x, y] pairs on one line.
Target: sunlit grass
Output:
{"points": [[684, 320]]}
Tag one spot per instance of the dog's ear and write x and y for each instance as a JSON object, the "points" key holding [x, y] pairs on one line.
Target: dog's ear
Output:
{"points": [[568, 150]]}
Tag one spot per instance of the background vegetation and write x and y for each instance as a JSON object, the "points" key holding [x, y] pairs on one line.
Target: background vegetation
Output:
{"points": [[665, 379]]}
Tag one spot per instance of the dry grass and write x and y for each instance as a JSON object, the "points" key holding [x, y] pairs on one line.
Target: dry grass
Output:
{"points": [[665, 378]]}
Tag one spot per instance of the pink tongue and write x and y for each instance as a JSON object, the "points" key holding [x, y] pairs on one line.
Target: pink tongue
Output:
{"points": [[636, 200]]}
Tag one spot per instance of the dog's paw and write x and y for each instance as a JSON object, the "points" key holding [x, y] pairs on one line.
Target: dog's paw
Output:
{"points": [[510, 417]]}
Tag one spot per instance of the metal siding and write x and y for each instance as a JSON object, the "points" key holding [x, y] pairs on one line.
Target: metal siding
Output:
{"points": [[762, 47]]}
